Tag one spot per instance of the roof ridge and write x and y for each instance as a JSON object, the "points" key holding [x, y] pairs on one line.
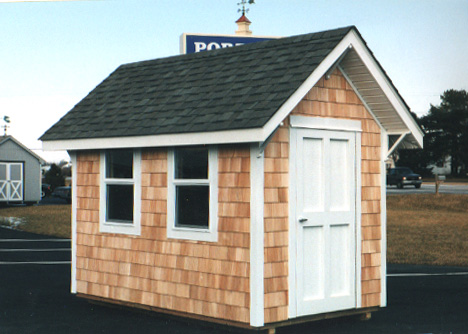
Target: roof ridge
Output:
{"points": [[241, 48]]}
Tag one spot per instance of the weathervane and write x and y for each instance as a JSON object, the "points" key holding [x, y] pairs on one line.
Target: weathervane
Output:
{"points": [[6, 119], [243, 3]]}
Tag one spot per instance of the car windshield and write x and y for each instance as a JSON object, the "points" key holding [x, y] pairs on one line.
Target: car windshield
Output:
{"points": [[405, 171]]}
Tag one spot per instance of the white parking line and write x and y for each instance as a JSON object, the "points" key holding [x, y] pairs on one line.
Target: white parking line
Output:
{"points": [[36, 250], [427, 274]]}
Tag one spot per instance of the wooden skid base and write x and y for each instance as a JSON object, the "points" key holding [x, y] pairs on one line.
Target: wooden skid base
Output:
{"points": [[208, 321]]}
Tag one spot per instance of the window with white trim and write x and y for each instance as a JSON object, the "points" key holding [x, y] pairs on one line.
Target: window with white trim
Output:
{"points": [[192, 201], [120, 191]]}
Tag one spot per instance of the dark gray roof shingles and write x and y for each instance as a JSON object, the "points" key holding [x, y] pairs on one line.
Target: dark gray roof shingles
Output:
{"points": [[226, 89]]}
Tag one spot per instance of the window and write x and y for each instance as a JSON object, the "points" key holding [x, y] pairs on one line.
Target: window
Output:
{"points": [[120, 191], [192, 202]]}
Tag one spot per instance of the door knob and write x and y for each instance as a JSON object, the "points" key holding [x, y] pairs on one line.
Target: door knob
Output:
{"points": [[302, 220]]}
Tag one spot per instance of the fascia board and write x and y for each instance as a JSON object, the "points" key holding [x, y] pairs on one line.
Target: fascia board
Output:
{"points": [[200, 138], [387, 87]]}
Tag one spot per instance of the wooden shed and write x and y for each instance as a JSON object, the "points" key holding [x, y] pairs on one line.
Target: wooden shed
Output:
{"points": [[244, 186], [20, 172]]}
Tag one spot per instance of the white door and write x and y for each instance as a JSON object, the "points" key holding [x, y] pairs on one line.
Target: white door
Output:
{"points": [[325, 220], [11, 181]]}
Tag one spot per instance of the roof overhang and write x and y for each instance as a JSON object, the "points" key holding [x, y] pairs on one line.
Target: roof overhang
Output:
{"points": [[177, 139], [357, 64]]}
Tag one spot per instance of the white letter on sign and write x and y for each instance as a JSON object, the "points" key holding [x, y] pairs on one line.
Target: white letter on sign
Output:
{"points": [[199, 46], [212, 46], [226, 45]]}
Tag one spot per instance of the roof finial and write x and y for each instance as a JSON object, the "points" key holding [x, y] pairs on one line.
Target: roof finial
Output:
{"points": [[243, 22], [243, 3], [6, 119]]}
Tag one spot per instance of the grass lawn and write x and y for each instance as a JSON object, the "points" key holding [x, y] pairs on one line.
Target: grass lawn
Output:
{"points": [[422, 229], [54, 220], [427, 229]]}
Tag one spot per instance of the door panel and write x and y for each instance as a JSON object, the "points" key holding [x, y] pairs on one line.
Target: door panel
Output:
{"points": [[313, 173], [3, 182], [16, 182], [314, 262], [325, 213], [340, 177]]}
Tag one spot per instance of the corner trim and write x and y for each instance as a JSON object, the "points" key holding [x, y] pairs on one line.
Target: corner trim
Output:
{"points": [[383, 219], [256, 237], [73, 219]]}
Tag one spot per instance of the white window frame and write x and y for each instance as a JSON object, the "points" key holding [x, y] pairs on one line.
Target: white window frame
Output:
{"points": [[113, 226], [192, 233]]}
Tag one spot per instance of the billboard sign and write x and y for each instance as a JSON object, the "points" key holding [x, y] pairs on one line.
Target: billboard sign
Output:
{"points": [[192, 43]]}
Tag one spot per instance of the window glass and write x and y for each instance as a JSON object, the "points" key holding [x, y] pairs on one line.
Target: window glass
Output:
{"points": [[192, 206], [3, 172], [15, 172], [120, 203], [119, 164], [191, 163]]}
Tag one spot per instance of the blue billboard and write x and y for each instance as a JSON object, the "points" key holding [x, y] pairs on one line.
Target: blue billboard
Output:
{"points": [[192, 43]]}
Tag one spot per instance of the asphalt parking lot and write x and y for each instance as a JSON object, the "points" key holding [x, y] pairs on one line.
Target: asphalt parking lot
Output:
{"points": [[35, 298]]}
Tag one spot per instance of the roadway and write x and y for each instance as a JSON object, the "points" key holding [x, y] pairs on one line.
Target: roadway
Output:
{"points": [[429, 188]]}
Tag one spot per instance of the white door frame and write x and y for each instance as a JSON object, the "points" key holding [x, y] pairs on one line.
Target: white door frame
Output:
{"points": [[320, 124]]}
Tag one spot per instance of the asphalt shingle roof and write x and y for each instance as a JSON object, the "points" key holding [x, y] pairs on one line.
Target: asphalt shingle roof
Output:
{"points": [[225, 89]]}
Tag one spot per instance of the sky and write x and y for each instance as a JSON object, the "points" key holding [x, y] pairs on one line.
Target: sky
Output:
{"points": [[52, 54]]}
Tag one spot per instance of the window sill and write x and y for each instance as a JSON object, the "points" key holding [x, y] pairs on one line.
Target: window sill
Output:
{"points": [[119, 228], [192, 234]]}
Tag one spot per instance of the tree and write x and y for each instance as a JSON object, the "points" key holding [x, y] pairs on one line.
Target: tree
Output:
{"points": [[54, 177], [446, 129]]}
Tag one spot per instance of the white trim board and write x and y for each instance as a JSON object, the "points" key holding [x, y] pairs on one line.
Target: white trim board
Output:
{"points": [[383, 220], [167, 140], [73, 220], [257, 262], [323, 123]]}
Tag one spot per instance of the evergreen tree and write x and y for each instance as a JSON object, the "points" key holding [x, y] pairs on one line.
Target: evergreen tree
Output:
{"points": [[446, 129], [54, 177]]}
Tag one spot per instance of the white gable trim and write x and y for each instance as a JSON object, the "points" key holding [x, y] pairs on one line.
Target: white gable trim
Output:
{"points": [[310, 82], [351, 40], [388, 89]]}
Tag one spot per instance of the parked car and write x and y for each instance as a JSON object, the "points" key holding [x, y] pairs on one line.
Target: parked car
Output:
{"points": [[63, 193], [403, 176], [46, 190]]}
